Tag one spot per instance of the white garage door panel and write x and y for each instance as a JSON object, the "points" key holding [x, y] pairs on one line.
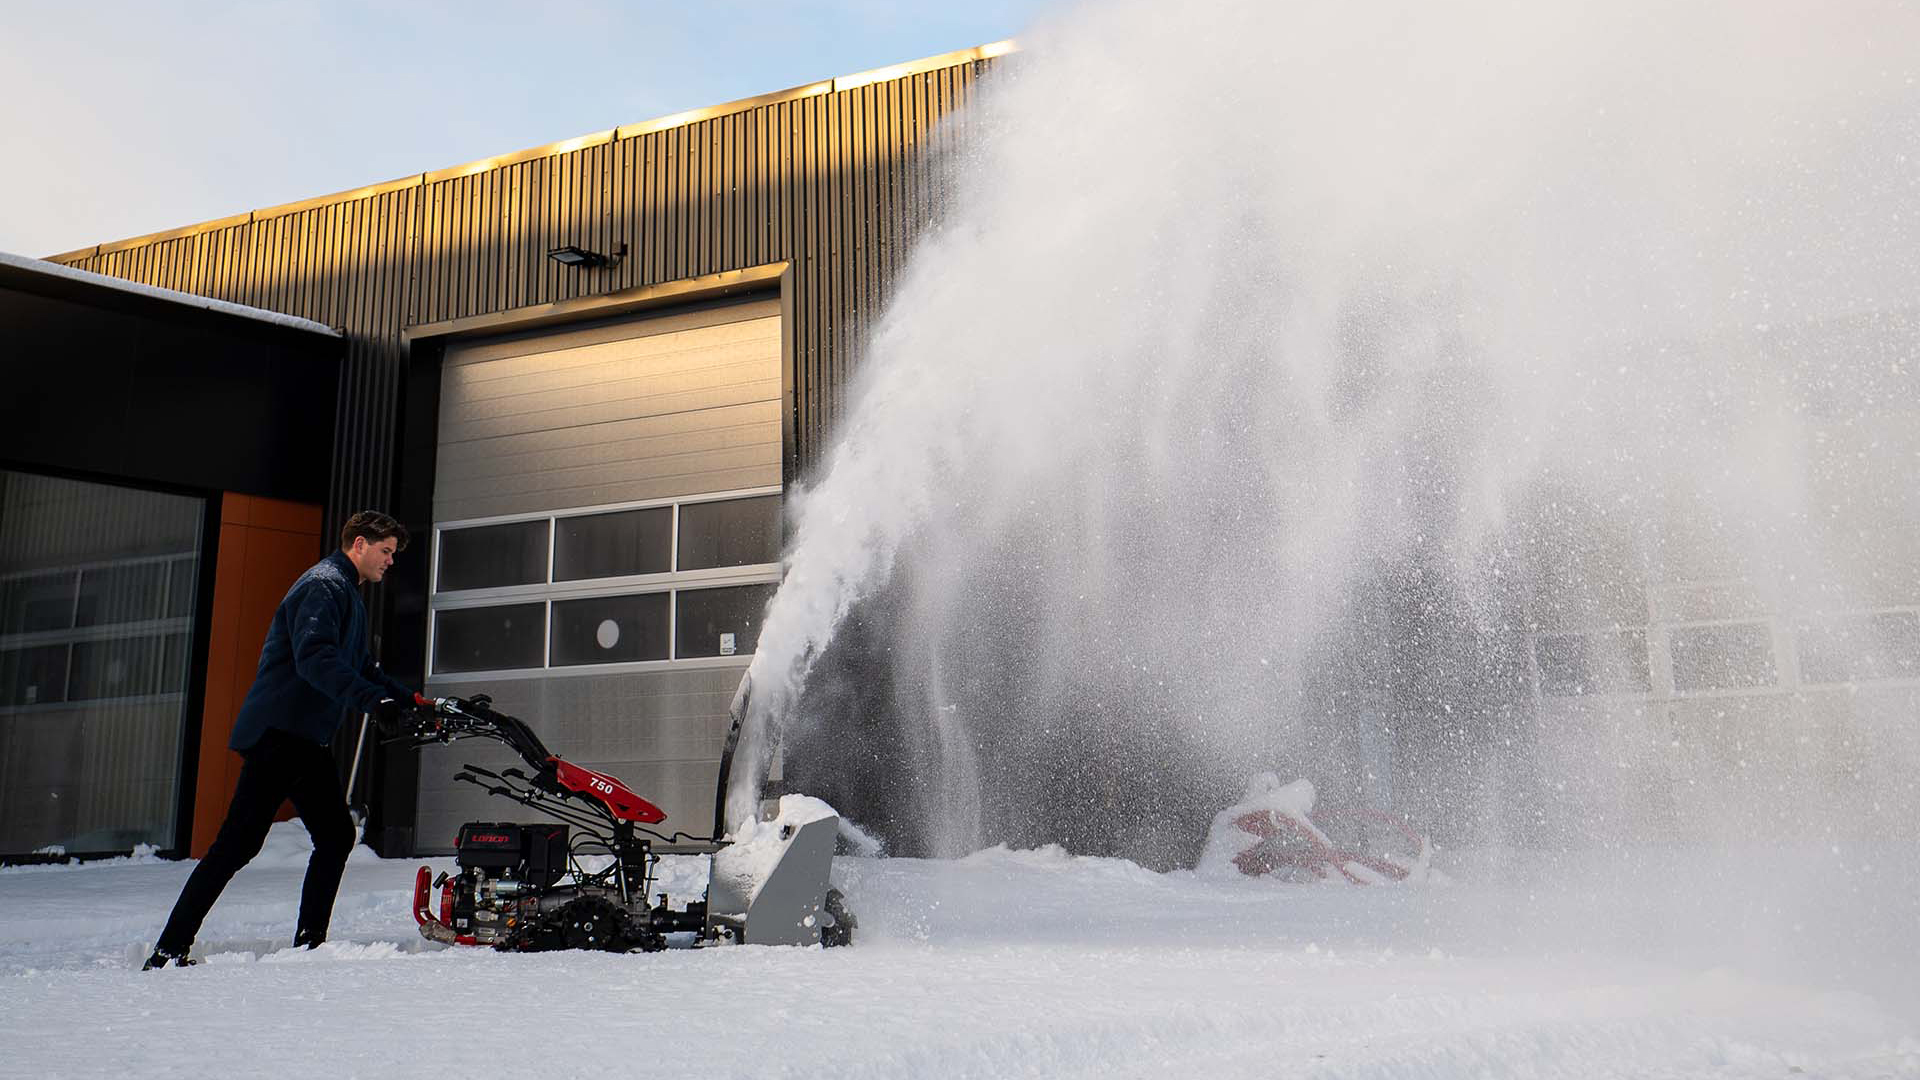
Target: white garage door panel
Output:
{"points": [[463, 458], [540, 342], [593, 365], [667, 487], [691, 463], [609, 404], [646, 409], [668, 455]]}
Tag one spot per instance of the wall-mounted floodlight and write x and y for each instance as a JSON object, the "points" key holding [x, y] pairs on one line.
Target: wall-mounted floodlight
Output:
{"points": [[577, 256]]}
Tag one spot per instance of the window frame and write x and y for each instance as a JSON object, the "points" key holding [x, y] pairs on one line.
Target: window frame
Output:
{"points": [[1801, 628], [73, 634], [1769, 633], [1592, 637], [672, 582], [1785, 632]]}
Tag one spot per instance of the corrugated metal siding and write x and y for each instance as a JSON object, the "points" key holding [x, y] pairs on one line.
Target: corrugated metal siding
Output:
{"points": [[648, 409], [837, 183]]}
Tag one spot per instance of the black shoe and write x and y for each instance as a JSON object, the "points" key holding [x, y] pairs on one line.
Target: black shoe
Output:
{"points": [[161, 958]]}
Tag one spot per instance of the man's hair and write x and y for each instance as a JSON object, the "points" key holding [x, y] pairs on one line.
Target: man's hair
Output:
{"points": [[375, 526]]}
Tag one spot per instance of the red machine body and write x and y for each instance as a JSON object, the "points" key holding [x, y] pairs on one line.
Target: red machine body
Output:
{"points": [[1287, 842], [618, 798]]}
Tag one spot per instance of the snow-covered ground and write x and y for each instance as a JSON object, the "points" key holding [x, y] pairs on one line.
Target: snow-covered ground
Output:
{"points": [[1760, 963]]}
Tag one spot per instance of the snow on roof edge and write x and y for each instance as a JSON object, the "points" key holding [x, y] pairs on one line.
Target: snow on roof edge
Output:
{"points": [[205, 303]]}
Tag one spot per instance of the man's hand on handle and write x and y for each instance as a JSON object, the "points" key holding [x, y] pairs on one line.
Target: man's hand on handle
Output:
{"points": [[398, 716]]}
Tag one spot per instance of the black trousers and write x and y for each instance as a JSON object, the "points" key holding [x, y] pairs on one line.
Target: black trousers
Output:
{"points": [[279, 767]]}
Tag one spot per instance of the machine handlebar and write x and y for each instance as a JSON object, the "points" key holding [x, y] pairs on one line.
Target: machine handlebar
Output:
{"points": [[445, 719]]}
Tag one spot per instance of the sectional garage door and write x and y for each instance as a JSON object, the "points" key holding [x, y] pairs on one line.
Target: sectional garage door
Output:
{"points": [[645, 409], [608, 519]]}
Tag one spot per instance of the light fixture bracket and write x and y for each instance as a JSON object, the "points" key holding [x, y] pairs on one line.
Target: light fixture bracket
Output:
{"points": [[580, 258]]}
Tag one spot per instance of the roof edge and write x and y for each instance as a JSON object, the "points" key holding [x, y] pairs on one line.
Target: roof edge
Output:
{"points": [[673, 120], [47, 268]]}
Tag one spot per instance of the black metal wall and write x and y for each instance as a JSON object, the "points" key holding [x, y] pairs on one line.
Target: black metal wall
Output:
{"points": [[832, 177], [123, 387]]}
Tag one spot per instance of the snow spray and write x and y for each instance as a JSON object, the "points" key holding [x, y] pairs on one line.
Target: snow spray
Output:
{"points": [[1489, 410]]}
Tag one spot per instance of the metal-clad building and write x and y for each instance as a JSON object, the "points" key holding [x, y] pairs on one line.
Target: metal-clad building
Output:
{"points": [[599, 445], [161, 460], [595, 451]]}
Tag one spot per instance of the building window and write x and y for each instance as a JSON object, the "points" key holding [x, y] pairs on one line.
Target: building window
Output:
{"points": [[654, 583], [622, 544], [493, 556], [1728, 656], [127, 667], [98, 585], [35, 602], [495, 637], [720, 622], [612, 629], [113, 630], [1612, 662], [729, 532], [1859, 648], [36, 675]]}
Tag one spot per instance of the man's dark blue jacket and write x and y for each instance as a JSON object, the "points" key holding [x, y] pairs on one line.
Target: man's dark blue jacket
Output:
{"points": [[315, 663]]}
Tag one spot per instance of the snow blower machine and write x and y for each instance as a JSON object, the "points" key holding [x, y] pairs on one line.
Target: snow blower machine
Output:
{"points": [[582, 879]]}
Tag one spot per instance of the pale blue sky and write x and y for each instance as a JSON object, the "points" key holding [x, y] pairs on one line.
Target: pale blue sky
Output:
{"points": [[120, 118]]}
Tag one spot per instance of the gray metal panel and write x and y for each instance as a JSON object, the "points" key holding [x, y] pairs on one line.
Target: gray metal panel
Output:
{"points": [[780, 906], [660, 732], [652, 407], [537, 341], [629, 490], [602, 426], [553, 481], [531, 392]]}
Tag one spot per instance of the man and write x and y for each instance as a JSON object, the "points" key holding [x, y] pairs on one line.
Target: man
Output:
{"points": [[314, 666]]}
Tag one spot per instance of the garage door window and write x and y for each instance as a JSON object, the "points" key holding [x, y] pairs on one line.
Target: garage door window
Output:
{"points": [[660, 583]]}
